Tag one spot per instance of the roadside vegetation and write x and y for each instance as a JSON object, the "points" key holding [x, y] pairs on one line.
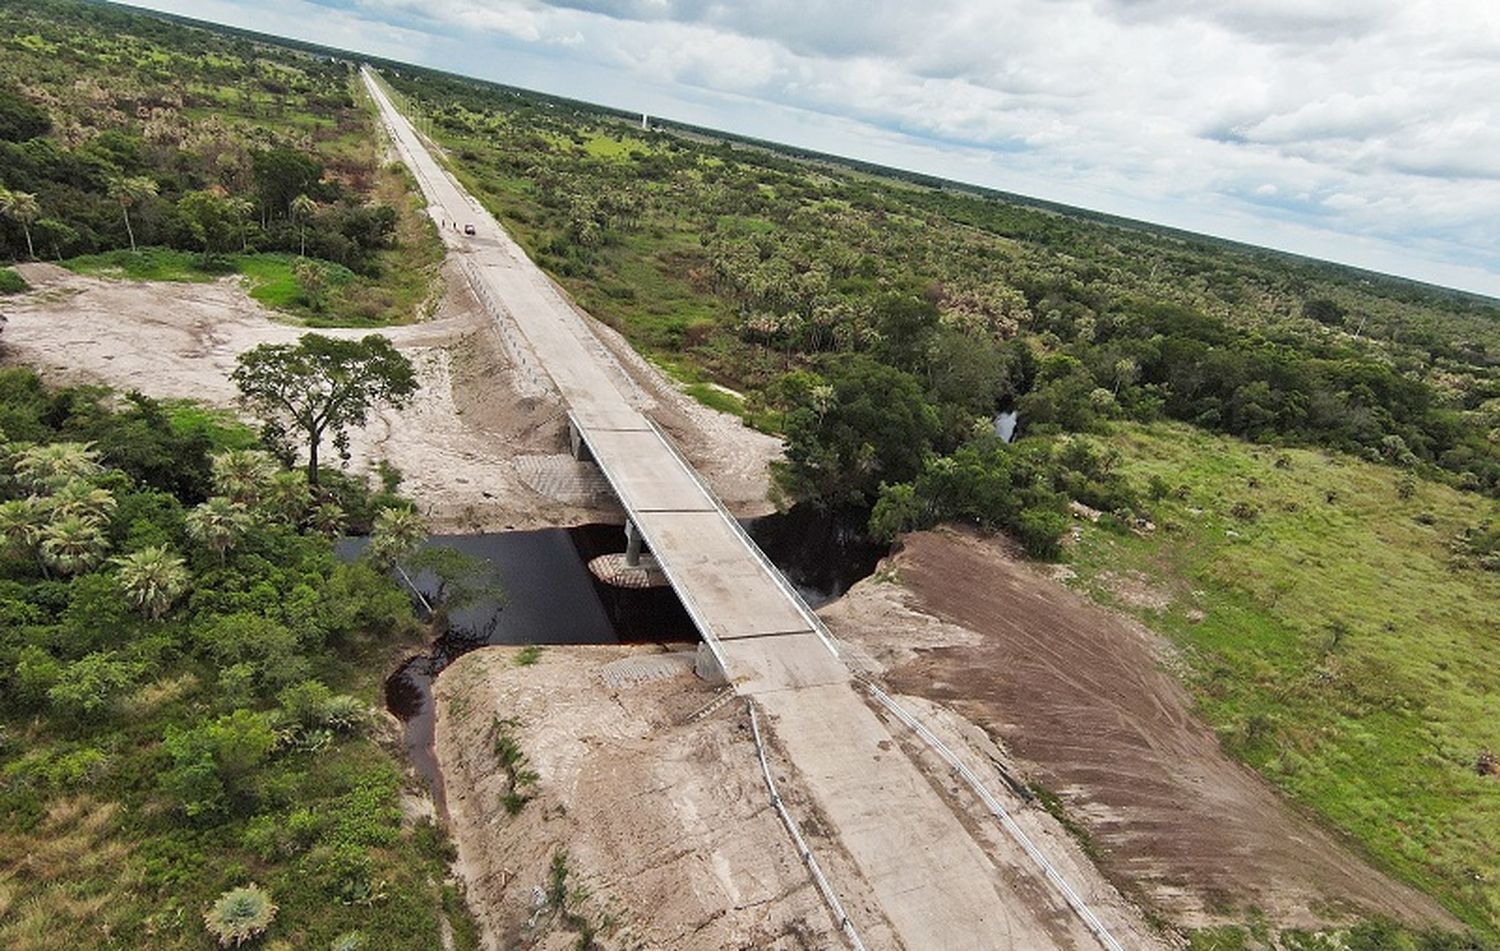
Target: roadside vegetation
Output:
{"points": [[139, 148], [1337, 634], [190, 747], [1305, 455]]}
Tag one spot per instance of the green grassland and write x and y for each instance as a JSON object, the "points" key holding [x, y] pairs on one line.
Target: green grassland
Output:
{"points": [[1332, 638]]}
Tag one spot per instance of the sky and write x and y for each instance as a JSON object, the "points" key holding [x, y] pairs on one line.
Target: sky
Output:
{"points": [[1359, 131]]}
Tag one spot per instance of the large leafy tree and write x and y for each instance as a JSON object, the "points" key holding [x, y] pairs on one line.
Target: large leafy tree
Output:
{"points": [[875, 426], [320, 387], [19, 119], [212, 219]]}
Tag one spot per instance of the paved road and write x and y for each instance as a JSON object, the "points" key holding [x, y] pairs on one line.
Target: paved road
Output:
{"points": [[933, 883]]}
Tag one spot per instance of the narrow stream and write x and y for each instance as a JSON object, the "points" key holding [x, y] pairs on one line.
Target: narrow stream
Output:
{"points": [[551, 597]]}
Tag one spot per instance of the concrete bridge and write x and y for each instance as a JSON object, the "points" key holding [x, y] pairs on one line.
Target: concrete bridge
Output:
{"points": [[936, 887]]}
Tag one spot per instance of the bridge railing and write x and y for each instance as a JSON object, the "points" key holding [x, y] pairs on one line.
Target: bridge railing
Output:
{"points": [[515, 347], [695, 612], [814, 622]]}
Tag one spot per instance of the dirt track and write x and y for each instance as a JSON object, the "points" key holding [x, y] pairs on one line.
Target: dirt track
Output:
{"points": [[1080, 697]]}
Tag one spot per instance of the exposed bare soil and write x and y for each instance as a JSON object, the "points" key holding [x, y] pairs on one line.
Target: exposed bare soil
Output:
{"points": [[1080, 700], [665, 819], [456, 443]]}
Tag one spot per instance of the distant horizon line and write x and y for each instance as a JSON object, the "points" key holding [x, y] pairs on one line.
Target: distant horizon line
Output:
{"points": [[357, 56]]}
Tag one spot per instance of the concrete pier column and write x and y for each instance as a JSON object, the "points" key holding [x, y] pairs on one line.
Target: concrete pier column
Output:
{"points": [[576, 445], [632, 544]]}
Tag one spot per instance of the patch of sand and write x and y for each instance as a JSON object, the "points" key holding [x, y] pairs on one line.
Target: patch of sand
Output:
{"points": [[665, 818]]}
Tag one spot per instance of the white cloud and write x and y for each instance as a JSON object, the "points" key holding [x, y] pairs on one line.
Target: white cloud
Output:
{"points": [[1367, 132]]}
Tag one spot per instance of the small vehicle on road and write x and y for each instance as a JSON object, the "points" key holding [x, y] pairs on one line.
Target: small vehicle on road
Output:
{"points": [[468, 229]]}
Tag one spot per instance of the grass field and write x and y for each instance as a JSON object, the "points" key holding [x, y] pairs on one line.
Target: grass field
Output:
{"points": [[1331, 639], [345, 299]]}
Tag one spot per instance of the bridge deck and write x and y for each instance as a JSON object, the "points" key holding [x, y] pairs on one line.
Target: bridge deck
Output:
{"points": [[739, 601]]}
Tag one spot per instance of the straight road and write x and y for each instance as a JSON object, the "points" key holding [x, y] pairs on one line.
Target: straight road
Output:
{"points": [[934, 884]]}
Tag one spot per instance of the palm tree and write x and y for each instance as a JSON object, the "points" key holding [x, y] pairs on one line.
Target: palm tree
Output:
{"points": [[398, 532], [242, 474], [152, 579], [131, 191], [244, 210], [21, 207], [73, 544], [286, 497], [83, 500], [328, 519], [45, 469], [21, 524], [219, 524], [303, 208]]}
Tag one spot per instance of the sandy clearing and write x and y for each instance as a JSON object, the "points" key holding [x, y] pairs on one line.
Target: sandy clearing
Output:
{"points": [[665, 819], [455, 444], [1078, 699]]}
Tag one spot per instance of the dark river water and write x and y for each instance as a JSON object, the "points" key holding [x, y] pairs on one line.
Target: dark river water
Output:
{"points": [[551, 597]]}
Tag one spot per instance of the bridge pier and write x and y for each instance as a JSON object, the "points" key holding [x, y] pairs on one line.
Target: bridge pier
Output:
{"points": [[576, 443], [632, 544]]}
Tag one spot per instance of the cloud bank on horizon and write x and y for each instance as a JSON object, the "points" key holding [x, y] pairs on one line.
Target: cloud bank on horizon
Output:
{"points": [[1365, 133]]}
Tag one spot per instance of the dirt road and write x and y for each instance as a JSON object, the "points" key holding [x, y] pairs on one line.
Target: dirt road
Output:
{"points": [[1080, 697]]}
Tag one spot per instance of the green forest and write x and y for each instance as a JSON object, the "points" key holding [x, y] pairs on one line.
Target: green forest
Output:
{"points": [[766, 274], [191, 749], [190, 680], [121, 132]]}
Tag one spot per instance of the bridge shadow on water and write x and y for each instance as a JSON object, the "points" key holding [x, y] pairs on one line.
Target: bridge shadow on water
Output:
{"points": [[552, 598]]}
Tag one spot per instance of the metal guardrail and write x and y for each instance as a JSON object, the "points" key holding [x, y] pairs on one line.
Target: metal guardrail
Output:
{"points": [[814, 622], [519, 352], [808, 859], [1075, 902]]}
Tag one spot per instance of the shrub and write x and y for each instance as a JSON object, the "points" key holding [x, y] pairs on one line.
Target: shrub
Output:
{"points": [[11, 282], [239, 915], [1040, 532]]}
